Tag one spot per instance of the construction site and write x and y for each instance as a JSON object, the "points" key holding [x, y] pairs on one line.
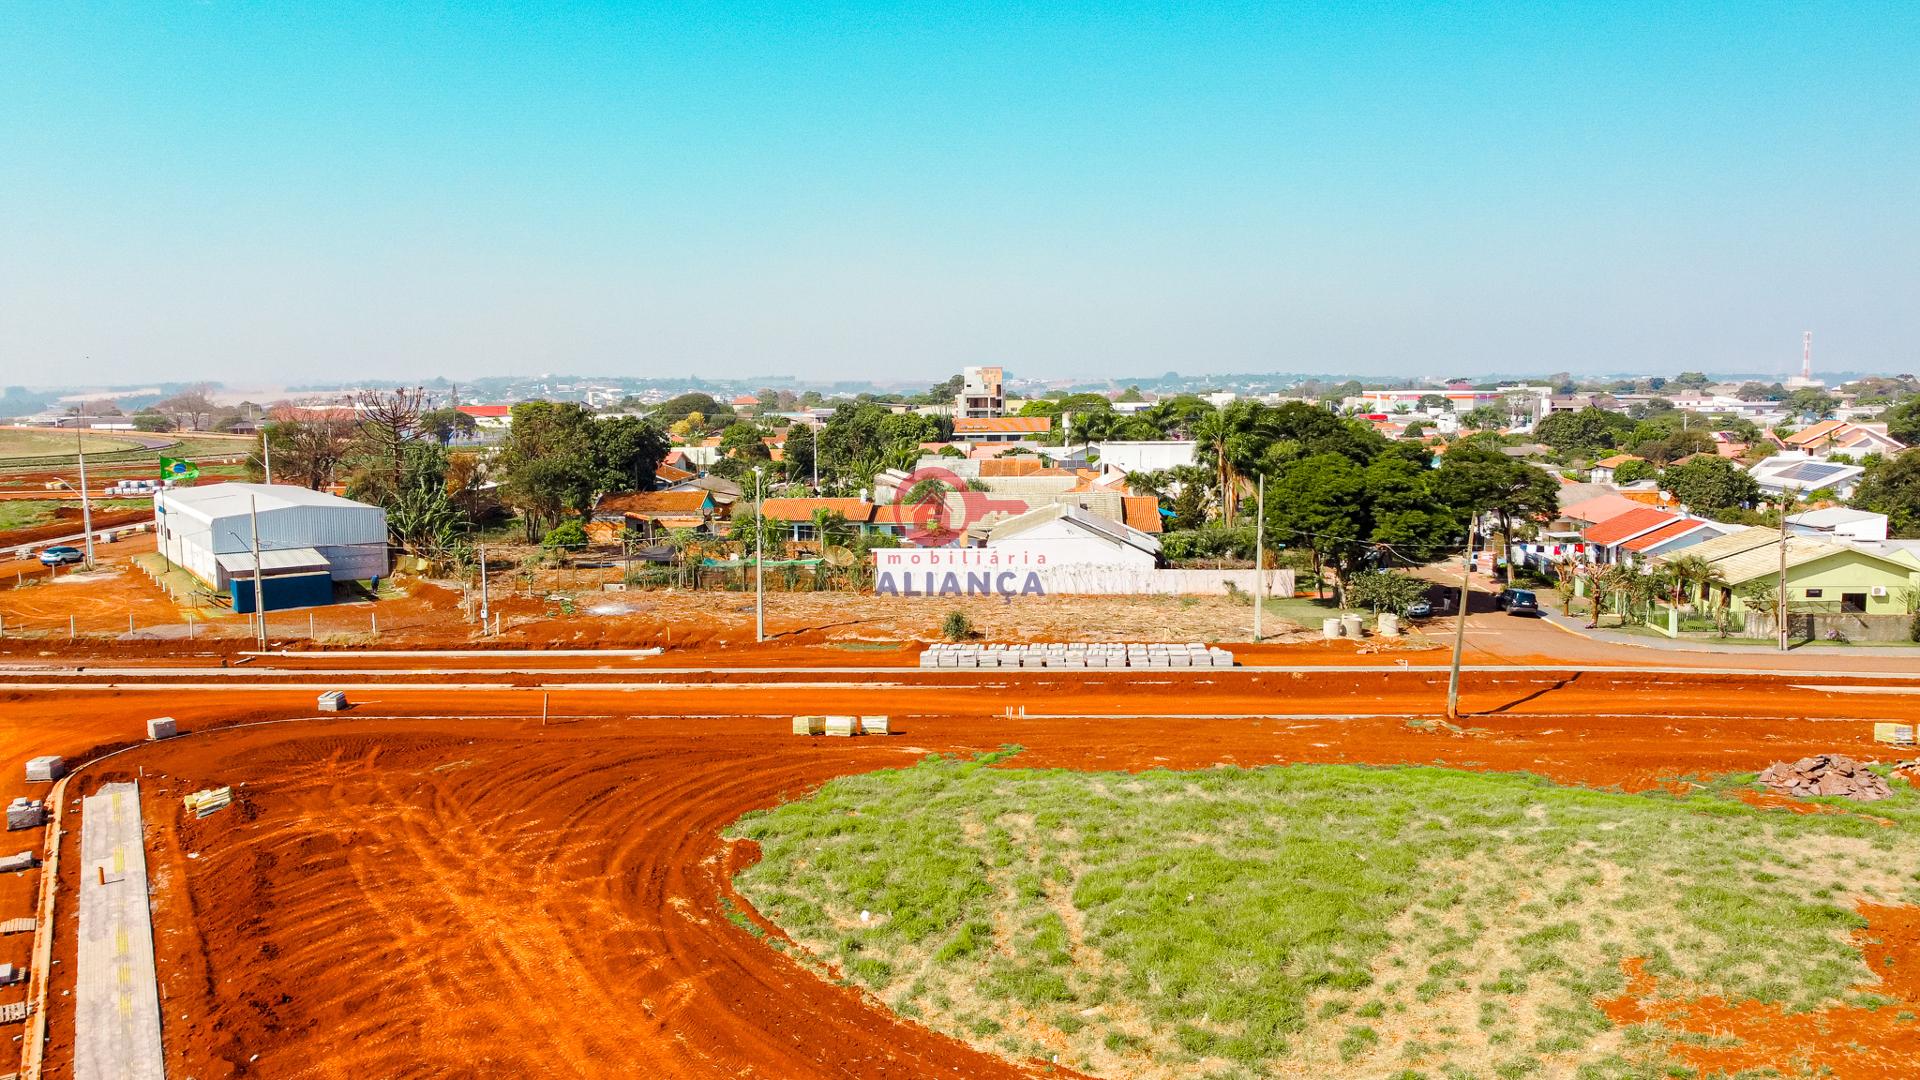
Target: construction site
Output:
{"points": [[522, 859], [545, 827]]}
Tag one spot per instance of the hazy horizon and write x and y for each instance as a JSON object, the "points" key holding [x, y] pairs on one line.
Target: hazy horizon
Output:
{"points": [[861, 192]]}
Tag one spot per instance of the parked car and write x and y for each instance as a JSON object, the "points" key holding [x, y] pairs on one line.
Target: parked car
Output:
{"points": [[1420, 609], [1517, 602], [61, 556]]}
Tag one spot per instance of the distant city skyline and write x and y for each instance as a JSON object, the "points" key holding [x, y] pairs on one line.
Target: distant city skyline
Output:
{"points": [[869, 192]]}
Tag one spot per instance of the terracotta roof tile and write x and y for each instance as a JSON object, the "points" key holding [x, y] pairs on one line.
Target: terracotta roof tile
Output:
{"points": [[1615, 529]]}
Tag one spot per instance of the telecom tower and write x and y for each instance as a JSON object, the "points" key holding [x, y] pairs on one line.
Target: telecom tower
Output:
{"points": [[1806, 363]]}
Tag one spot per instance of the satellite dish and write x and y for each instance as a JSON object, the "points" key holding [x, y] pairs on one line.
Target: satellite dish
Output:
{"points": [[839, 556]]}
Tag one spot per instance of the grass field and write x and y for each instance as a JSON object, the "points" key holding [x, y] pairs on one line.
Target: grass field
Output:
{"points": [[26, 513], [1317, 920], [33, 444]]}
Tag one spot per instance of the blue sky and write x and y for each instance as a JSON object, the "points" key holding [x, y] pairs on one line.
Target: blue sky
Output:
{"points": [[279, 192]]}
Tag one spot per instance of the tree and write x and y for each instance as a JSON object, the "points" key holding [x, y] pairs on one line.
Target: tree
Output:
{"points": [[684, 406], [446, 425], [151, 421], [192, 408], [627, 452], [1633, 471], [1691, 380], [1903, 421], [389, 421], [1318, 504], [1130, 395], [1484, 418], [1406, 517], [1585, 432], [1429, 402], [1694, 576], [309, 446], [1810, 403], [1709, 484], [1385, 590], [548, 463], [1479, 480], [1893, 489]]}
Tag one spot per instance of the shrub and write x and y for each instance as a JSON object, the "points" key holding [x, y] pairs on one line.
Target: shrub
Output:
{"points": [[567, 534], [956, 626]]}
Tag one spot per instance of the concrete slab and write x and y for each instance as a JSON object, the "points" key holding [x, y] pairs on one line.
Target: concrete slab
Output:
{"points": [[117, 999]]}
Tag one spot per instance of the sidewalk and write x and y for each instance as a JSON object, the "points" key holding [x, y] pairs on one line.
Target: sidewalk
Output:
{"points": [[1664, 644]]}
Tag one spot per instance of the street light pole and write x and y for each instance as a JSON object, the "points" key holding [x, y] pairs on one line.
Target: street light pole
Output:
{"points": [[266, 453], [259, 607], [1259, 553], [759, 553], [1460, 624], [86, 504], [816, 455], [483, 590]]}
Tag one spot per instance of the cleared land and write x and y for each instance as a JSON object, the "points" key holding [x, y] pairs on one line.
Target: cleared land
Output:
{"points": [[437, 885], [1326, 920]]}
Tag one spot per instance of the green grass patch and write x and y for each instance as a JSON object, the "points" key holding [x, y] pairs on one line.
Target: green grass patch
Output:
{"points": [[1212, 923]]}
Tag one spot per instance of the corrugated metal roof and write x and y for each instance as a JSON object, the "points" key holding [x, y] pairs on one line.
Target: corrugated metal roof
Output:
{"points": [[271, 562], [1734, 543], [218, 500], [1759, 561]]}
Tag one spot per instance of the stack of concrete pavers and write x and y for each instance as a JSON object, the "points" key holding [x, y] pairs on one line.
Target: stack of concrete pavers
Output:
{"points": [[1826, 774], [25, 813], [1076, 655]]}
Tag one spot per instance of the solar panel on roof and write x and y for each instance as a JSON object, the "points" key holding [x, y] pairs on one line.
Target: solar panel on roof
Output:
{"points": [[1812, 472]]}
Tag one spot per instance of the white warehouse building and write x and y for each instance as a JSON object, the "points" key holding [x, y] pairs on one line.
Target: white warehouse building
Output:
{"points": [[208, 530]]}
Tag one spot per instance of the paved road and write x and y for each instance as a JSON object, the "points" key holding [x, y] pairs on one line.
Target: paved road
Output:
{"points": [[117, 999]]}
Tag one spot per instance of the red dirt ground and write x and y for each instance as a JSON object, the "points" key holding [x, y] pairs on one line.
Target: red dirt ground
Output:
{"points": [[438, 885], [1841, 1041]]}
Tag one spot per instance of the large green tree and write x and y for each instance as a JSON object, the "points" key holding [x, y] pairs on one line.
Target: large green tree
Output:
{"points": [[1903, 421], [1893, 489], [1586, 431], [1475, 479], [1709, 485]]}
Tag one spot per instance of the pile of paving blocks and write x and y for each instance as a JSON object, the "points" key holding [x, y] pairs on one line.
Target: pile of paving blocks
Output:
{"points": [[1077, 654], [842, 725]]}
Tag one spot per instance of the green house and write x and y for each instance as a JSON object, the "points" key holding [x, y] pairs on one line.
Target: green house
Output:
{"points": [[1822, 578]]}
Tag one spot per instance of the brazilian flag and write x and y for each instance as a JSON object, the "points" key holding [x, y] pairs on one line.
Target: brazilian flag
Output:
{"points": [[178, 469]]}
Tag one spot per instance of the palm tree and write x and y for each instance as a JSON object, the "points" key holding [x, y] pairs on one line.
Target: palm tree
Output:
{"points": [[1695, 575], [1229, 442]]}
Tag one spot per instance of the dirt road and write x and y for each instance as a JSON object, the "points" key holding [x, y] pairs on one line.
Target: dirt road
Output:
{"points": [[437, 884]]}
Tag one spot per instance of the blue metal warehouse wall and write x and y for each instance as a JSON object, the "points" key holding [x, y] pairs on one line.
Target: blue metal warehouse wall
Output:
{"points": [[281, 593]]}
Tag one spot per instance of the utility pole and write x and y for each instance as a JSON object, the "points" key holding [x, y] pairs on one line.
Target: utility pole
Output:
{"points": [[816, 455], [86, 504], [1460, 624], [266, 454], [483, 590], [759, 552], [259, 607], [1259, 553], [1780, 600]]}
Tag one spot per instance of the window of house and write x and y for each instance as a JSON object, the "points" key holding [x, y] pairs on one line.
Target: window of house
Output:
{"points": [[1813, 594]]}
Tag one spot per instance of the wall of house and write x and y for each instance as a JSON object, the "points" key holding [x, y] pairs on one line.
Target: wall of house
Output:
{"points": [[1847, 572]]}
